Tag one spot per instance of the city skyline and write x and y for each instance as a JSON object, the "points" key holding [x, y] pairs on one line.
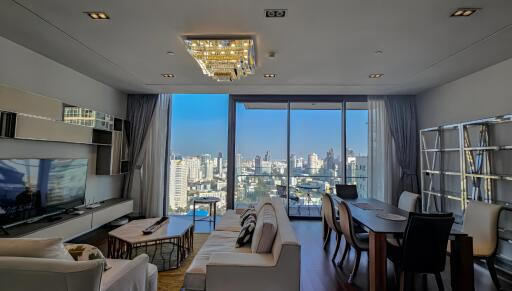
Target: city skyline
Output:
{"points": [[264, 129]]}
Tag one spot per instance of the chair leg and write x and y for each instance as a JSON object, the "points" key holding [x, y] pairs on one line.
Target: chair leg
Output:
{"points": [[356, 267], [327, 238], [439, 281], [345, 252], [338, 240], [492, 271]]}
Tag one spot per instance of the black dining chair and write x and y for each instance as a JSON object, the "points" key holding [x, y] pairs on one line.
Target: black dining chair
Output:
{"points": [[345, 191], [423, 249]]}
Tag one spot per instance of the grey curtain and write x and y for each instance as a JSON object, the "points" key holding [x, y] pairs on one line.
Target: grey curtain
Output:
{"points": [[401, 112], [139, 114]]}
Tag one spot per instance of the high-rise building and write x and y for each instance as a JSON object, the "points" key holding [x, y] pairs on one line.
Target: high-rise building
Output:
{"points": [[178, 173], [313, 164], [207, 170], [238, 164], [257, 165], [219, 165], [267, 156], [194, 169]]}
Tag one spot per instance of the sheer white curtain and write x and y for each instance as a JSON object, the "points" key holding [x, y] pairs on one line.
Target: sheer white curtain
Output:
{"points": [[153, 161], [382, 164]]}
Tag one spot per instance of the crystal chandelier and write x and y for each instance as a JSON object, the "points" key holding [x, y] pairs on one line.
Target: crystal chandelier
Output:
{"points": [[223, 59]]}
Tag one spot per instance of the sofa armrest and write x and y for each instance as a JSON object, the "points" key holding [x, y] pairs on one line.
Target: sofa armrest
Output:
{"points": [[126, 274], [241, 260]]}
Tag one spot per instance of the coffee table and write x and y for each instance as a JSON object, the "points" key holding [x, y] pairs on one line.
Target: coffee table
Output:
{"points": [[177, 232]]}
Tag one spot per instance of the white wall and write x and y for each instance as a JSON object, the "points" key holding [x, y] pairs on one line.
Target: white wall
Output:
{"points": [[24, 69], [485, 93]]}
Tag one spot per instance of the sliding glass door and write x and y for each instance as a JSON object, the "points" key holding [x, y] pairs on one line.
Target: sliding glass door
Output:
{"points": [[315, 154], [260, 151], [295, 148]]}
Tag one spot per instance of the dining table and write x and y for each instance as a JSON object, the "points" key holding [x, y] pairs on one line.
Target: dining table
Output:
{"points": [[368, 213]]}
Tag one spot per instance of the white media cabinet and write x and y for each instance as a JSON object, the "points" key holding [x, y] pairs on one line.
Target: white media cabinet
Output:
{"points": [[70, 225]]}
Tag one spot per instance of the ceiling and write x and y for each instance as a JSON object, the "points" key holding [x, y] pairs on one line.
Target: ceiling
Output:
{"points": [[322, 46]]}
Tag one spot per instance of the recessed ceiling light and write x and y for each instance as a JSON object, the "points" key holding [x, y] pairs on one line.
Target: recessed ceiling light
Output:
{"points": [[171, 53], [270, 75], [275, 13], [464, 12], [168, 75], [98, 15], [375, 76], [378, 52]]}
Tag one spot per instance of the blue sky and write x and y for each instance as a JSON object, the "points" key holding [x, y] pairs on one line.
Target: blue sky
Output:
{"points": [[199, 125]]}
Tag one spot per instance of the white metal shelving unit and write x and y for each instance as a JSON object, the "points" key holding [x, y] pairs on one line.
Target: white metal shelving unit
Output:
{"points": [[472, 149]]}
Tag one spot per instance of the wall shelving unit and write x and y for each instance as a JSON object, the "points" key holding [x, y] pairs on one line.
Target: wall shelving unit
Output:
{"points": [[469, 161]]}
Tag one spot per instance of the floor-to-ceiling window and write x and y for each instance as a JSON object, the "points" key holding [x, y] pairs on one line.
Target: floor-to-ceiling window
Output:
{"points": [[297, 148], [198, 144]]}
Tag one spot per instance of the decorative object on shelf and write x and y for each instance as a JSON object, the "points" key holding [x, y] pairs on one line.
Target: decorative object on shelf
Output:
{"points": [[223, 58]]}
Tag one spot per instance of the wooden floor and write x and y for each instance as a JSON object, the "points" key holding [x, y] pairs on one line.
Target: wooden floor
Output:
{"points": [[318, 273]]}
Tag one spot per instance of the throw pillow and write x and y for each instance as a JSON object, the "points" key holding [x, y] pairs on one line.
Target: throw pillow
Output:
{"points": [[265, 230], [245, 235], [246, 215], [85, 252], [44, 248]]}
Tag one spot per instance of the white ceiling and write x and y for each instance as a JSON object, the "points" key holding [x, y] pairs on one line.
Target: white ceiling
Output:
{"points": [[323, 46]]}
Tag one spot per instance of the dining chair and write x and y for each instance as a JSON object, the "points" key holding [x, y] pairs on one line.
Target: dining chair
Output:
{"points": [[408, 201], [329, 215], [359, 241], [481, 223], [345, 191], [423, 248]]}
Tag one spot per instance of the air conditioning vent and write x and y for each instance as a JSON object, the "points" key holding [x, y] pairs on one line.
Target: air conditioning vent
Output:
{"points": [[275, 13], [7, 124]]}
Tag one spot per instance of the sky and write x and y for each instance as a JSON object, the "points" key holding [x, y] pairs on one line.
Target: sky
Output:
{"points": [[199, 125]]}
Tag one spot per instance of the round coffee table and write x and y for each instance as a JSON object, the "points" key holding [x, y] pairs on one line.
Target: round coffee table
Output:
{"points": [[124, 241], [212, 215]]}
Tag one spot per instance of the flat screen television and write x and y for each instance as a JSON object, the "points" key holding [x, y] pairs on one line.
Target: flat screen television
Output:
{"points": [[35, 187]]}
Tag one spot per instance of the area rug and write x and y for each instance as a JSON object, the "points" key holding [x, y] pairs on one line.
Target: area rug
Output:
{"points": [[172, 280]]}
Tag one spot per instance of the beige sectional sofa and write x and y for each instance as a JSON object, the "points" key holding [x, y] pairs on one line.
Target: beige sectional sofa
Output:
{"points": [[219, 265]]}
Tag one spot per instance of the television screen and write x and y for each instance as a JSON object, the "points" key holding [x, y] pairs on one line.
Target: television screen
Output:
{"points": [[34, 187]]}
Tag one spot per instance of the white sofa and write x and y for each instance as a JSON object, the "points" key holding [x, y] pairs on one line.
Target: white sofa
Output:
{"points": [[26, 274], [219, 266]]}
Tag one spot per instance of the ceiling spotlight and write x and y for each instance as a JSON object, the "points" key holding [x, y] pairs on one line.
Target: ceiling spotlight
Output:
{"points": [[375, 76], [171, 53], [464, 12], [98, 15], [168, 75], [275, 13], [269, 75], [271, 55], [378, 52]]}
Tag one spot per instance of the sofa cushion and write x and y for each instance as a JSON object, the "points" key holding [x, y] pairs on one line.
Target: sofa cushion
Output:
{"points": [[246, 233], [217, 242], [44, 248], [230, 222], [265, 231]]}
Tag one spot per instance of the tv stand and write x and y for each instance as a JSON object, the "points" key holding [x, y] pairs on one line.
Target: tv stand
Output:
{"points": [[69, 225], [54, 218]]}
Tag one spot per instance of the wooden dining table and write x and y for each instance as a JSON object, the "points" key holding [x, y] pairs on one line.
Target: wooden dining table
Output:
{"points": [[365, 211]]}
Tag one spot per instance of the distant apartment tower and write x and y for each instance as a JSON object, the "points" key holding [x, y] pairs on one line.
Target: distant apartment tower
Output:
{"points": [[357, 171], [207, 170], [313, 164], [219, 165], [257, 165], [238, 164], [267, 156], [178, 184], [194, 169]]}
